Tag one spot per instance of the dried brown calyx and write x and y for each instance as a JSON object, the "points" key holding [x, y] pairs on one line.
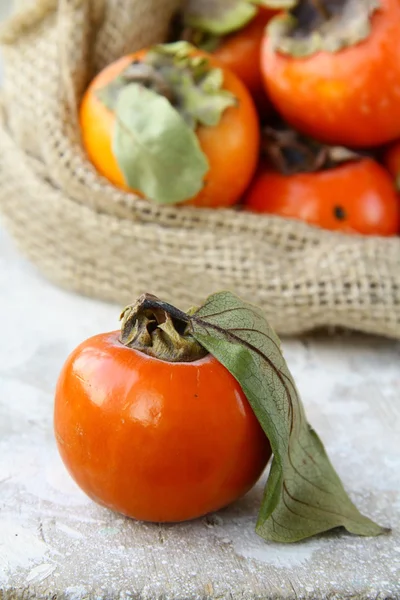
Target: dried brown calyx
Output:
{"points": [[290, 152], [315, 25], [160, 330]]}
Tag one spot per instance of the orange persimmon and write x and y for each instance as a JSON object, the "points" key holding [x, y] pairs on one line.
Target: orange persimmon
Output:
{"points": [[347, 93], [231, 146], [354, 197], [158, 438]]}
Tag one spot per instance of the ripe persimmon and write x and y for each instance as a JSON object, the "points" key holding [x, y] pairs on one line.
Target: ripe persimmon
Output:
{"points": [[155, 433], [230, 144], [354, 197], [332, 70]]}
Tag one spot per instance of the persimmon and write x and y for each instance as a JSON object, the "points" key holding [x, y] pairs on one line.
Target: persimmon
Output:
{"points": [[152, 426], [201, 96], [332, 70], [355, 197]]}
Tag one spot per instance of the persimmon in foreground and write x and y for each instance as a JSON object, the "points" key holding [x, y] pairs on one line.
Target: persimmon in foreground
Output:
{"points": [[174, 416], [151, 425], [171, 124]]}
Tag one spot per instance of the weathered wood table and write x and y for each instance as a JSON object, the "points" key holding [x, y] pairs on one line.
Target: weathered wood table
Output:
{"points": [[56, 542]]}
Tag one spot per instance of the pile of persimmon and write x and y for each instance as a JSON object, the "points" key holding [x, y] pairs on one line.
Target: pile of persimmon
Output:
{"points": [[254, 105]]}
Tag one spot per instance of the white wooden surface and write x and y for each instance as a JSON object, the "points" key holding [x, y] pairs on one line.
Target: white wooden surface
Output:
{"points": [[55, 541]]}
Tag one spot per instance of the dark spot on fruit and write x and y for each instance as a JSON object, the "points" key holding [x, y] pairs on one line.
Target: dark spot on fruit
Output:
{"points": [[339, 213]]}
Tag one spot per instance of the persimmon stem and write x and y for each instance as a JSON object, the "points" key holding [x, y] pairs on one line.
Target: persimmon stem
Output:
{"points": [[148, 76], [322, 9], [148, 301], [290, 152], [160, 330]]}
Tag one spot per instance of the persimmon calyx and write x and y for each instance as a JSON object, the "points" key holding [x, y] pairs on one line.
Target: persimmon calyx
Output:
{"points": [[159, 330], [290, 152], [191, 85], [321, 25]]}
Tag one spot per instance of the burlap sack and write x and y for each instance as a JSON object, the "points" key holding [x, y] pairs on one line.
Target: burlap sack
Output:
{"points": [[87, 236]]}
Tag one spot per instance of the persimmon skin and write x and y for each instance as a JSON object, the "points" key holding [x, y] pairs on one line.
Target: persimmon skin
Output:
{"points": [[363, 189], [240, 53], [231, 147], [154, 440], [350, 97]]}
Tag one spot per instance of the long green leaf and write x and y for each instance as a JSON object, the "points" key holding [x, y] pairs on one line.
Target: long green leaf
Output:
{"points": [[157, 151], [304, 495]]}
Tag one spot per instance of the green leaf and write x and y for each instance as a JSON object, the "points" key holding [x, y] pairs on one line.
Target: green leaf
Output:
{"points": [[197, 87], [158, 153], [108, 94], [203, 102], [219, 17], [304, 495], [222, 17], [276, 4]]}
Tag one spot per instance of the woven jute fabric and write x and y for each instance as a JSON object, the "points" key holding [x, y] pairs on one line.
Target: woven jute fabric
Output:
{"points": [[88, 236]]}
